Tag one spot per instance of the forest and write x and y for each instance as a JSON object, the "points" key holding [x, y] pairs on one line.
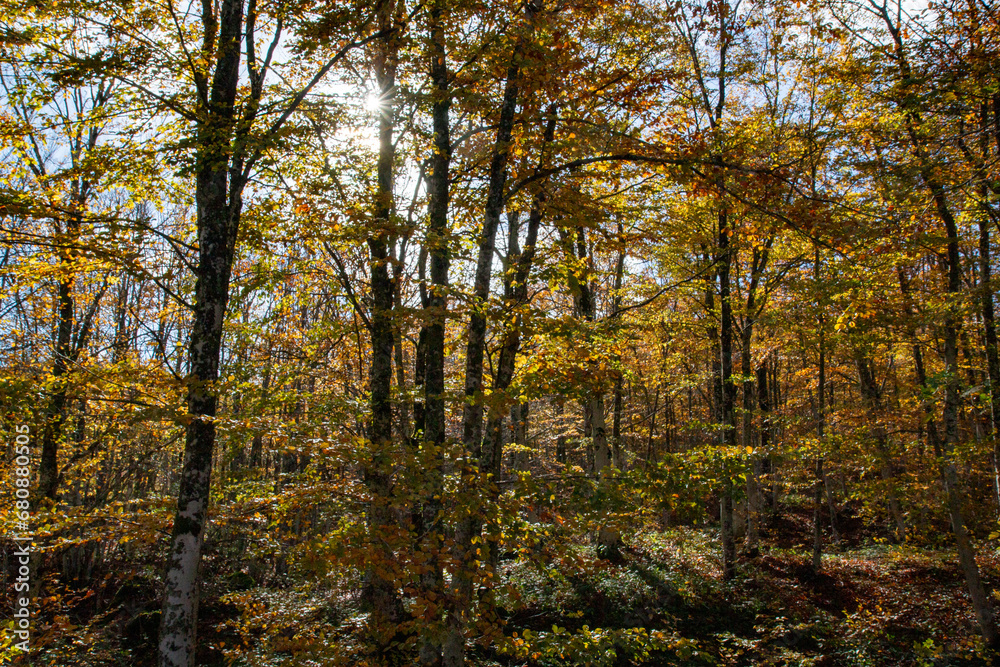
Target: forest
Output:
{"points": [[500, 333]]}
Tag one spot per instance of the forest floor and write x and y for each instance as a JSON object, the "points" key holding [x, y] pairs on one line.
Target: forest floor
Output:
{"points": [[662, 602], [873, 603]]}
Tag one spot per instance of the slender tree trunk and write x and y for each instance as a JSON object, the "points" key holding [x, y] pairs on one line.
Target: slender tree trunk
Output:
{"points": [[985, 277], [415, 474], [753, 529], [55, 411], [219, 204], [872, 394], [915, 130], [257, 445], [652, 426], [66, 350], [608, 538], [616, 301], [599, 433], [817, 555], [617, 453], [719, 412], [519, 424], [757, 267], [992, 356], [515, 296], [775, 432], [561, 438], [764, 433], [728, 412], [380, 590], [472, 415], [595, 425], [981, 602], [831, 504], [405, 428], [420, 356], [715, 367], [431, 639]]}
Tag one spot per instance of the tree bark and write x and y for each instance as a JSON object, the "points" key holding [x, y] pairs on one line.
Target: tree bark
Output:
{"points": [[405, 428], [764, 433], [515, 296], [617, 454], [470, 526], [380, 590], [728, 411], [757, 267], [67, 350], [872, 394], [915, 130], [432, 634], [55, 411], [817, 555], [981, 603], [992, 355], [595, 425], [219, 203]]}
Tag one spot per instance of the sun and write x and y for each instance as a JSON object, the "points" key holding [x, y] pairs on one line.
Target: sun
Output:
{"points": [[373, 102]]}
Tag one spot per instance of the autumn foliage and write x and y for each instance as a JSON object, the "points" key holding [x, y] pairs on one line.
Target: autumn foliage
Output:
{"points": [[501, 333]]}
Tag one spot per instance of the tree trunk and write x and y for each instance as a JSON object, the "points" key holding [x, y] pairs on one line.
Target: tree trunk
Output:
{"points": [[652, 426], [519, 416], [405, 428], [992, 356], [561, 438], [831, 504], [55, 411], [595, 425], [757, 267], [434, 408], [515, 296], [915, 130], [616, 301], [472, 414], [66, 350], [774, 428], [981, 602], [380, 589], [728, 412], [753, 483], [715, 367], [872, 394], [218, 222], [817, 555]]}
